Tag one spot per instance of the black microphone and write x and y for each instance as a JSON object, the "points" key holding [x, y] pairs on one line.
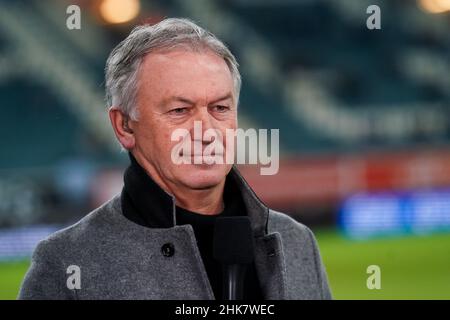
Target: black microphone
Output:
{"points": [[233, 247]]}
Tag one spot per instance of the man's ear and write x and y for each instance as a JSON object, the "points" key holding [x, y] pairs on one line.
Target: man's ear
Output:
{"points": [[122, 128]]}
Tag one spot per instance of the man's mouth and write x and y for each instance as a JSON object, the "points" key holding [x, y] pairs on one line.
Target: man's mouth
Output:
{"points": [[213, 154]]}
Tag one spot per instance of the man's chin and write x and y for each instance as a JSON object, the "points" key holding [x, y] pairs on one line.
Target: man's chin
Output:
{"points": [[203, 176]]}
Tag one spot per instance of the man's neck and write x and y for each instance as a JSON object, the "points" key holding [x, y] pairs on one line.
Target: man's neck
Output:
{"points": [[207, 201]]}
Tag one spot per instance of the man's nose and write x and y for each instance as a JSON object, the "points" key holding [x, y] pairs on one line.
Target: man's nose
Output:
{"points": [[204, 121]]}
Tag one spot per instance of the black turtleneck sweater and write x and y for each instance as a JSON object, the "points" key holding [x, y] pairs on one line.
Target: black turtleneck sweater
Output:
{"points": [[147, 204]]}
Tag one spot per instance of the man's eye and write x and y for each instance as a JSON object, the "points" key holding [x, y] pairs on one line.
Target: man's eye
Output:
{"points": [[221, 108], [178, 111]]}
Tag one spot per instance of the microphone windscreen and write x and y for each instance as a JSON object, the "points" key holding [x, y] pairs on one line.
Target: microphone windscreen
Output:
{"points": [[233, 240]]}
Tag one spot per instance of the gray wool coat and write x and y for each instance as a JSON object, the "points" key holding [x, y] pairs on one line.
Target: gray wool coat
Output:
{"points": [[115, 258]]}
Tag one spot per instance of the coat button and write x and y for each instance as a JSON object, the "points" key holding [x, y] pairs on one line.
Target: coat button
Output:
{"points": [[168, 249]]}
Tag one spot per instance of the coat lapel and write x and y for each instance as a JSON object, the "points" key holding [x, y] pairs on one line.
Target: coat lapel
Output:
{"points": [[269, 256], [270, 266]]}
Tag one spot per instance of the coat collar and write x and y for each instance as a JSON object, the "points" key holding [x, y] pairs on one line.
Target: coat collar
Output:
{"points": [[142, 194], [144, 201]]}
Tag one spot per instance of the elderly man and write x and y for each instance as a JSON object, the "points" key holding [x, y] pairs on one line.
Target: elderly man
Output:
{"points": [[155, 239]]}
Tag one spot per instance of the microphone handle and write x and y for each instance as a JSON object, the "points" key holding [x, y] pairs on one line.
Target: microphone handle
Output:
{"points": [[233, 284]]}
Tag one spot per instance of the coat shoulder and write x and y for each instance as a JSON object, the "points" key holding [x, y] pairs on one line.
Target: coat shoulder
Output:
{"points": [[304, 266], [44, 279], [92, 222], [71, 239], [296, 235], [280, 222]]}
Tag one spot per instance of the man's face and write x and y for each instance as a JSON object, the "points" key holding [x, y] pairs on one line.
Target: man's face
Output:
{"points": [[175, 89]]}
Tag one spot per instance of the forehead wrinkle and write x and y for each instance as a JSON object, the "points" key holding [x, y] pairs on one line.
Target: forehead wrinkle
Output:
{"points": [[206, 66]]}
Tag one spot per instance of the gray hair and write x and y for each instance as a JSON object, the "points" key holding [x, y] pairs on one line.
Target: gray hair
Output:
{"points": [[123, 63]]}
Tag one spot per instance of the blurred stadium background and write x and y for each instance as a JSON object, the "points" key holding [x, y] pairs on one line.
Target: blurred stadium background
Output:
{"points": [[363, 118]]}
